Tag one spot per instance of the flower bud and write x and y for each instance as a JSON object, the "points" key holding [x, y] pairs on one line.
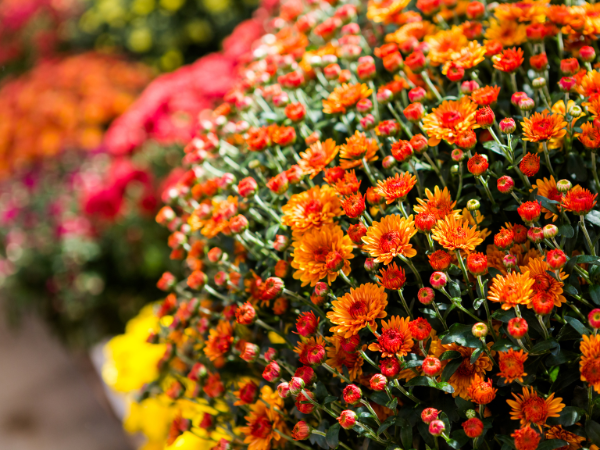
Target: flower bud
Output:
{"points": [[438, 280], [479, 330], [526, 104], [388, 162], [539, 62], [378, 382], [388, 128], [431, 366], [575, 111], [470, 413], [458, 155], [485, 117], [556, 258], [414, 112], [535, 234], [390, 367], [517, 327], [428, 415], [594, 318], [251, 353], [467, 140], [587, 53], [467, 87], [505, 184], [166, 282], [347, 419], [281, 243], [367, 122], [563, 186], [238, 224], [197, 280], [436, 428], [283, 389], [419, 143], [301, 431], [567, 84], [352, 394], [426, 295], [364, 105], [550, 231], [569, 66], [477, 263], [272, 371], [416, 61], [384, 96], [424, 222], [509, 261], [303, 403], [296, 385], [357, 232], [473, 205], [517, 97], [473, 427], [417, 94], [508, 125], [538, 83]]}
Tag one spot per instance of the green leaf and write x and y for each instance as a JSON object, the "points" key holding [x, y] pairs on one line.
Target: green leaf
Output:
{"points": [[570, 289], [459, 438], [450, 368], [593, 431], [413, 363], [420, 381], [544, 347], [593, 217], [566, 230], [272, 231], [551, 444], [451, 354], [406, 436], [504, 316], [595, 293], [579, 327], [550, 205], [333, 435], [477, 303], [329, 399], [570, 415], [385, 425], [393, 404], [587, 259], [379, 397], [462, 335], [503, 345], [454, 289], [493, 146], [446, 387], [554, 373], [475, 355]]}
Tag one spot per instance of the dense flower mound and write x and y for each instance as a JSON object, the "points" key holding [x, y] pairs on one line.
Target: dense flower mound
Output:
{"points": [[390, 233], [64, 104]]}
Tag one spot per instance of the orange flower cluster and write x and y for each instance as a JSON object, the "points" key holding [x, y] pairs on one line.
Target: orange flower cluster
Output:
{"points": [[405, 210], [64, 104]]}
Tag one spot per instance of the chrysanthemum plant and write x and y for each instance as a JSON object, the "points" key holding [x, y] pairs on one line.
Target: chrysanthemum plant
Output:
{"points": [[390, 230]]}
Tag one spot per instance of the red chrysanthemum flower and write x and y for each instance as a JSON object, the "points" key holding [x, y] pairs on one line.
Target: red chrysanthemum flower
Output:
{"points": [[477, 165], [530, 211], [396, 188], [579, 201], [392, 277], [504, 239], [420, 329], [354, 205], [526, 438], [509, 60], [440, 260], [530, 164], [477, 263]]}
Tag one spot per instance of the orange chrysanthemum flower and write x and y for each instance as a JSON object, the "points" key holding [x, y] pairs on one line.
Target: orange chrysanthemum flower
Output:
{"points": [[319, 253], [455, 234], [317, 157], [526, 438], [345, 97], [439, 203], [356, 148], [543, 282], [480, 391], [509, 60], [444, 43], [467, 57], [449, 120], [397, 187], [218, 221], [307, 348], [589, 365], [511, 365], [262, 423], [440, 260], [573, 440], [541, 127], [523, 253], [338, 358], [593, 106], [589, 136], [465, 374], [390, 238], [511, 290], [395, 338], [357, 309], [348, 184], [579, 201], [311, 209], [547, 188], [590, 85], [507, 32], [530, 164], [219, 340], [392, 277], [486, 95], [530, 408], [523, 11], [385, 10]]}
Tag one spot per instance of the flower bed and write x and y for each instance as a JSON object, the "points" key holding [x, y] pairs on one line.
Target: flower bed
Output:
{"points": [[390, 235]]}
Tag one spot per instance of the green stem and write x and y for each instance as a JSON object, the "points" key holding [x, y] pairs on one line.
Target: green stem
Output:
{"points": [[465, 274], [414, 169], [439, 314], [430, 85], [587, 236], [405, 304], [594, 171], [367, 170], [548, 163], [405, 392], [414, 270]]}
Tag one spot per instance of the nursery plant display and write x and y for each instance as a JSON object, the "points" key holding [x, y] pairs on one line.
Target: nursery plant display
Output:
{"points": [[389, 236]]}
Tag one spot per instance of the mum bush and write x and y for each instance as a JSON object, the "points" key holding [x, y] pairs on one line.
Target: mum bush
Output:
{"points": [[390, 235]]}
